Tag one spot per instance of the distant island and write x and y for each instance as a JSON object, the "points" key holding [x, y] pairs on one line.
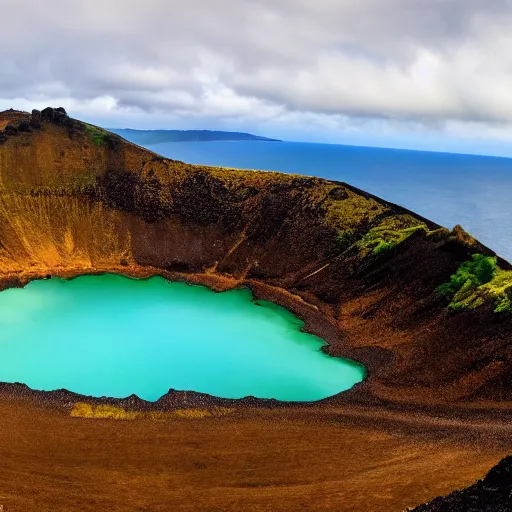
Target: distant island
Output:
{"points": [[148, 137]]}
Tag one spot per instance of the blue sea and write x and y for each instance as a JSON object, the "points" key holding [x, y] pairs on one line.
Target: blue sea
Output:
{"points": [[450, 189]]}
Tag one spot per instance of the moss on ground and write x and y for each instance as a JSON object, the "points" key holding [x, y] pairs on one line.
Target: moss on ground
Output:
{"points": [[389, 233], [85, 410], [348, 237], [352, 212], [102, 137]]}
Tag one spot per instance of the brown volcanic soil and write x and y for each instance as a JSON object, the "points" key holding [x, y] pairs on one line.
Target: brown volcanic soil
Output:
{"points": [[432, 415], [334, 458]]}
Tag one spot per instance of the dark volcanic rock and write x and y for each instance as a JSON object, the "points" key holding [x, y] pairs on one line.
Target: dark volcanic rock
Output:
{"points": [[120, 188], [56, 115], [205, 200], [338, 194], [35, 119], [24, 126], [48, 114], [492, 494], [10, 129], [112, 141]]}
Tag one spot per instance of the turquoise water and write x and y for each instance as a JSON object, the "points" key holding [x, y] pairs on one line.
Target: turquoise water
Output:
{"points": [[113, 336], [449, 189]]}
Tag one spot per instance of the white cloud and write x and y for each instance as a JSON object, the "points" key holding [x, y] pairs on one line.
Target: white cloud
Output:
{"points": [[331, 67]]}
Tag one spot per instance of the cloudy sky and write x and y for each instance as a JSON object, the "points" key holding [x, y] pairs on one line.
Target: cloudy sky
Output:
{"points": [[432, 74]]}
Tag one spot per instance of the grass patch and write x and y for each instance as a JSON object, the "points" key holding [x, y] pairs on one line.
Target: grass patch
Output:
{"points": [[102, 137], [351, 213], [85, 410], [389, 233], [95, 134], [383, 246]]}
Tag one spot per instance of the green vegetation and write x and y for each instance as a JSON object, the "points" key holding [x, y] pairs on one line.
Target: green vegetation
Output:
{"points": [[347, 238], [390, 232], [383, 246], [473, 273], [97, 135], [465, 288], [500, 289], [102, 137], [351, 213]]}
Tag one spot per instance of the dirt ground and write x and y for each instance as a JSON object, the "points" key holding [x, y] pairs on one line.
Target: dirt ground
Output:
{"points": [[259, 460]]}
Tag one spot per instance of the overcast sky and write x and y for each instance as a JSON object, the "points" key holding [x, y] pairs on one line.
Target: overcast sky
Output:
{"points": [[433, 74]]}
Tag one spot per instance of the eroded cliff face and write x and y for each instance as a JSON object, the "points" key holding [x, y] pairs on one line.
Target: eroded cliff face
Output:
{"points": [[77, 199]]}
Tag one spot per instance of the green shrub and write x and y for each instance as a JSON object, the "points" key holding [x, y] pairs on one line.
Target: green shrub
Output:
{"points": [[503, 305], [466, 287], [477, 271]]}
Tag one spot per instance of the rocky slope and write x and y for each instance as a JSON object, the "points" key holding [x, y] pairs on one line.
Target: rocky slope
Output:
{"points": [[76, 199]]}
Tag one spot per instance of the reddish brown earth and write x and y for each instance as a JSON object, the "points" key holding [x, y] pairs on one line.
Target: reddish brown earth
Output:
{"points": [[433, 414]]}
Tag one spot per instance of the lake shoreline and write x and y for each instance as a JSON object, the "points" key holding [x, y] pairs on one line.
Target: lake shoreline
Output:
{"points": [[316, 322], [114, 336]]}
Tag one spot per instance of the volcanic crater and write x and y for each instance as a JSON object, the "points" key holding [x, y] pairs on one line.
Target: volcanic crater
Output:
{"points": [[432, 415]]}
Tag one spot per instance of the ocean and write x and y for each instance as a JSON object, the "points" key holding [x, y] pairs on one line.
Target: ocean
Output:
{"points": [[450, 189]]}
